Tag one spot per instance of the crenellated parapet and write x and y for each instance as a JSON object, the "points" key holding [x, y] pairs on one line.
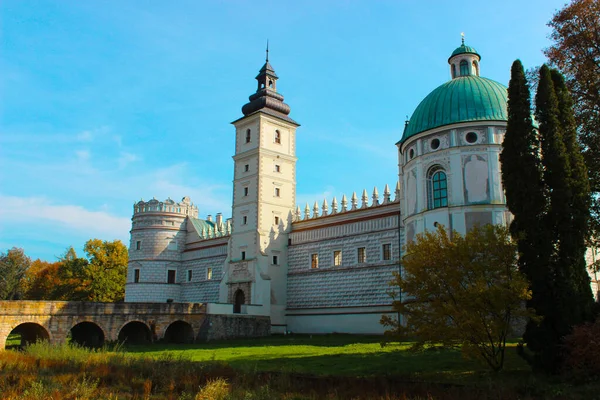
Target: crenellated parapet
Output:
{"points": [[184, 207], [346, 206]]}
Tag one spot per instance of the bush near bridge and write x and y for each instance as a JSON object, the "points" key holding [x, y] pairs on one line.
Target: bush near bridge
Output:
{"points": [[290, 367]]}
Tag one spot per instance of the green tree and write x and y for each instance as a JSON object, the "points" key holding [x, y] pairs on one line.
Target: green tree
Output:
{"points": [[561, 293], [107, 270], [522, 176], [72, 277], [576, 53], [100, 276], [13, 265], [461, 291]]}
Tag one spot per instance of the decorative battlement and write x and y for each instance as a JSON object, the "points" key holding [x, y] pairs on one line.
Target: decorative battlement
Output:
{"points": [[344, 204], [185, 207]]}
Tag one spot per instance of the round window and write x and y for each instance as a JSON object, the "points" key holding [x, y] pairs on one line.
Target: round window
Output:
{"points": [[411, 154], [435, 143], [471, 137]]}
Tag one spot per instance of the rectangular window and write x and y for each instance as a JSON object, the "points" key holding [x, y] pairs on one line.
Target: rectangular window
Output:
{"points": [[386, 252], [138, 245], [276, 220], [314, 261], [243, 255], [189, 275], [244, 220], [245, 191], [337, 258], [362, 255], [248, 136], [136, 275], [171, 276], [277, 192], [209, 273], [277, 168], [246, 168], [275, 260], [173, 245]]}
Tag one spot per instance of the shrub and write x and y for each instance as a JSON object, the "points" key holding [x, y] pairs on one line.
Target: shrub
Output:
{"points": [[217, 389], [582, 349]]}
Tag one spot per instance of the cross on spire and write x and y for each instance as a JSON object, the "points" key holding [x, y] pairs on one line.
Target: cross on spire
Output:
{"points": [[267, 60], [462, 36]]}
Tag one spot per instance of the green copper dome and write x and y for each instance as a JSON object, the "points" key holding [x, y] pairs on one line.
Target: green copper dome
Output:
{"points": [[462, 49], [463, 99]]}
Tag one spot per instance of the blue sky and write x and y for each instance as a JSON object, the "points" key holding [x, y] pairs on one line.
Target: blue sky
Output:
{"points": [[106, 102]]}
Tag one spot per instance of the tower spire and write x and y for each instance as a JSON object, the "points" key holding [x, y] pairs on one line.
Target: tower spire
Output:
{"points": [[267, 60], [462, 38]]}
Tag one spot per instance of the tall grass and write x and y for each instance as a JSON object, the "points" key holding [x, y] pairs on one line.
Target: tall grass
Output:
{"points": [[68, 371]]}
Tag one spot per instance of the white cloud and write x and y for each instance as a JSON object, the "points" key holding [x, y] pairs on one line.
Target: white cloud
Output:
{"points": [[83, 155], [310, 198], [85, 136], [34, 209], [126, 158]]}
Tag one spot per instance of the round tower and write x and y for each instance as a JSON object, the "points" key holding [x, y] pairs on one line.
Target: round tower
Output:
{"points": [[449, 152], [158, 236]]}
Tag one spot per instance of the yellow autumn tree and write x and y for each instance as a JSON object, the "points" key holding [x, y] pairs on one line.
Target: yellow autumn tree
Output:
{"points": [[461, 292]]}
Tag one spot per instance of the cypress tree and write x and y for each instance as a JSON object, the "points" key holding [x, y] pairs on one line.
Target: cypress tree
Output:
{"points": [[525, 198], [547, 191], [559, 291], [574, 230]]}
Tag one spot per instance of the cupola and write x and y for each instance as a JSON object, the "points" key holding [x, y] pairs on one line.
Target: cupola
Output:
{"points": [[266, 96], [464, 61]]}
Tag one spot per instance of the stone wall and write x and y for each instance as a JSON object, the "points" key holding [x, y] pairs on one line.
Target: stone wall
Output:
{"points": [[217, 327]]}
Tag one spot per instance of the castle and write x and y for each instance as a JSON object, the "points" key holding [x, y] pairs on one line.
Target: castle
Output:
{"points": [[324, 268]]}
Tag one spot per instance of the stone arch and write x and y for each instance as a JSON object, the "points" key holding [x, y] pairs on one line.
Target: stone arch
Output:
{"points": [[88, 334], [134, 332], [239, 298], [30, 332], [180, 332]]}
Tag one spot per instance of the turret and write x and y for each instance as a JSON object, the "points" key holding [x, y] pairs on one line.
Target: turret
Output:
{"points": [[464, 61], [158, 235]]}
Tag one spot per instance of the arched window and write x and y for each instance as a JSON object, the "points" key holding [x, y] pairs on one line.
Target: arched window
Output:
{"points": [[453, 71], [248, 135], [475, 68], [437, 188], [277, 137], [464, 68]]}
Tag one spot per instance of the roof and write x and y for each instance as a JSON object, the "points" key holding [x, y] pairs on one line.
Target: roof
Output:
{"points": [[463, 99], [200, 224], [462, 49]]}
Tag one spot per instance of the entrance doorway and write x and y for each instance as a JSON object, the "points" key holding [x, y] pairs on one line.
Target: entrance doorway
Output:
{"points": [[239, 299]]}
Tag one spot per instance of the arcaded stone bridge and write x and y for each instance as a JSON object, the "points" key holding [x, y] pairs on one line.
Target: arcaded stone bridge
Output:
{"points": [[93, 324]]}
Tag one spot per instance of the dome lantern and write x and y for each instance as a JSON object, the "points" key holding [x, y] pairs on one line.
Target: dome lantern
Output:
{"points": [[465, 98], [464, 61]]}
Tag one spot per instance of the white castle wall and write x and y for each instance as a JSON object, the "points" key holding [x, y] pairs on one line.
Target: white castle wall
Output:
{"points": [[163, 238], [350, 297], [475, 194]]}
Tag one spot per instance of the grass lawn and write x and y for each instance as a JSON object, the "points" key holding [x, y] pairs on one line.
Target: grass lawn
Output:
{"points": [[13, 340], [339, 355]]}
